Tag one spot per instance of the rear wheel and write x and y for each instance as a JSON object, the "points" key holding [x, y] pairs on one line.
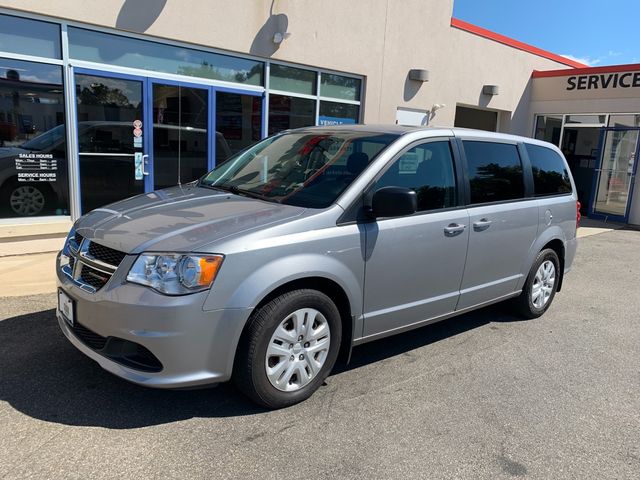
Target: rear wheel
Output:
{"points": [[289, 348], [541, 285]]}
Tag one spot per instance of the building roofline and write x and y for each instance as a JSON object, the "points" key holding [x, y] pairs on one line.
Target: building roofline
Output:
{"points": [[497, 37], [630, 67]]}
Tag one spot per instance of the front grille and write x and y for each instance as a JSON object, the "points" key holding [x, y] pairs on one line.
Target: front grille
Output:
{"points": [[106, 254], [89, 338], [91, 264], [93, 277], [124, 352]]}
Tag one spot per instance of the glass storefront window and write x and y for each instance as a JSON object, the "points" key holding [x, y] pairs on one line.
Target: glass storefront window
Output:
{"points": [[29, 37], [294, 80], [587, 119], [624, 121], [238, 123], [131, 52], [333, 113], [338, 86], [33, 150], [290, 112], [548, 128]]}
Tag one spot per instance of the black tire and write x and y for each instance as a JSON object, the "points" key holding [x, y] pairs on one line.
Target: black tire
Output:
{"points": [[524, 302], [249, 372], [41, 190]]}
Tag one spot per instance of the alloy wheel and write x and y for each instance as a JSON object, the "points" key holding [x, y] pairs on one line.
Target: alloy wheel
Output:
{"points": [[543, 284], [297, 350]]}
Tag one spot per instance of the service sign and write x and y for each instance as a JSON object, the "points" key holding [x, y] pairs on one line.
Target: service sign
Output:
{"points": [[599, 85], [604, 81]]}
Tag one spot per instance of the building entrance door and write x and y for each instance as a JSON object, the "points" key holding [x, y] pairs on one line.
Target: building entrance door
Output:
{"points": [[580, 147], [111, 156], [139, 134], [614, 182], [180, 133]]}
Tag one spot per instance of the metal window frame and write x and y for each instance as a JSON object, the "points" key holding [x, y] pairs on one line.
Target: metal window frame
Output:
{"points": [[68, 64]]}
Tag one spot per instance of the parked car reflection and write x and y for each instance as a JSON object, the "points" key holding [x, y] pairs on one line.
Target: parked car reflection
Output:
{"points": [[34, 175]]}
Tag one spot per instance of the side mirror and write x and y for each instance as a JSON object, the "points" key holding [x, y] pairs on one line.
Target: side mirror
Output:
{"points": [[394, 202]]}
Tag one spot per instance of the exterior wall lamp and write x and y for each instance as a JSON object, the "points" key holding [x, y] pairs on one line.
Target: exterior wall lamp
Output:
{"points": [[491, 90], [419, 75]]}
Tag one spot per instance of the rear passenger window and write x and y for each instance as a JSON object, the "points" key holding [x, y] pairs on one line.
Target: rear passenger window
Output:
{"points": [[495, 171], [550, 175], [428, 170]]}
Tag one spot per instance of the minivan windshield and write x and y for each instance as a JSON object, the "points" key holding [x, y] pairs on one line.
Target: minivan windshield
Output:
{"points": [[302, 168]]}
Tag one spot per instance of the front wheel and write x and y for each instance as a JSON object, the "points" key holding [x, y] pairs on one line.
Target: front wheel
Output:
{"points": [[541, 285], [289, 348]]}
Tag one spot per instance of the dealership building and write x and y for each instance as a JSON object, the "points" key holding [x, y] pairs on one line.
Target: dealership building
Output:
{"points": [[103, 100]]}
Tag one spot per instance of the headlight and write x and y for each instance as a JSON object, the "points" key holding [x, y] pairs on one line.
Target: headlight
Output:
{"points": [[175, 273]]}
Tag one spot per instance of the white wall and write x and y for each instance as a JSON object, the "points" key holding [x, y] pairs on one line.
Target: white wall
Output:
{"points": [[380, 39]]}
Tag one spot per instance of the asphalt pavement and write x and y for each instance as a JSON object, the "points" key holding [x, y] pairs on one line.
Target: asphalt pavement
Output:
{"points": [[484, 395]]}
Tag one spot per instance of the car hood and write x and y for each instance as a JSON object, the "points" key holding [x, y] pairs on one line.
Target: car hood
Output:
{"points": [[179, 219], [10, 153]]}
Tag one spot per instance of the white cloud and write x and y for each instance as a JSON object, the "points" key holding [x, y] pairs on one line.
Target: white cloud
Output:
{"points": [[613, 53], [592, 62]]}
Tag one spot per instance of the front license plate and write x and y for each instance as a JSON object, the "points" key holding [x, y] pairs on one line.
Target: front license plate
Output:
{"points": [[65, 307]]}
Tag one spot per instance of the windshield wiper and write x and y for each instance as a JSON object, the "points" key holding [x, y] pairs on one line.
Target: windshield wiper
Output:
{"points": [[237, 191]]}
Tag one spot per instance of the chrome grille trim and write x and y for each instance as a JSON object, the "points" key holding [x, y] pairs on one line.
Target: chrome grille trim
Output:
{"points": [[80, 259]]}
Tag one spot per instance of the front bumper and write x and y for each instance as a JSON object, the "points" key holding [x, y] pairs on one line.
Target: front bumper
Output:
{"points": [[194, 346]]}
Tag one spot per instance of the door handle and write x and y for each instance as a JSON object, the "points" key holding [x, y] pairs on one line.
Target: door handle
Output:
{"points": [[144, 162], [454, 229], [481, 225]]}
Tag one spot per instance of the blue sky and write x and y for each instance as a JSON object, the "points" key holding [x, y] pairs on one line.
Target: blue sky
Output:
{"points": [[595, 32]]}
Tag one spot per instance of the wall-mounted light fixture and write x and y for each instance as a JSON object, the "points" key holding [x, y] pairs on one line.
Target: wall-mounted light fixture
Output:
{"points": [[419, 75], [434, 108], [491, 90], [280, 37]]}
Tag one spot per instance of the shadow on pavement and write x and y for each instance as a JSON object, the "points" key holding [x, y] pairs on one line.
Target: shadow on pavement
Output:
{"points": [[42, 375]]}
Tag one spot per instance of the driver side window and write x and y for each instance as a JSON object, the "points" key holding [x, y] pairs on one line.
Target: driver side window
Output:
{"points": [[428, 170]]}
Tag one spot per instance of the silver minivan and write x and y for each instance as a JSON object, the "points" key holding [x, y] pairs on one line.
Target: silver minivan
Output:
{"points": [[311, 242]]}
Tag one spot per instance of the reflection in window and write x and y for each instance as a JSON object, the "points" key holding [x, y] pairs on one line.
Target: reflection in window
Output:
{"points": [[238, 123], [586, 119], [290, 112], [180, 126], [624, 121], [428, 170], [495, 171], [333, 113], [29, 37], [291, 79], [106, 110], [33, 157], [135, 53], [303, 168], [548, 128], [338, 86], [550, 176]]}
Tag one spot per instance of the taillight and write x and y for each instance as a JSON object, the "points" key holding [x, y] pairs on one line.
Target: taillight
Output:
{"points": [[578, 216]]}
